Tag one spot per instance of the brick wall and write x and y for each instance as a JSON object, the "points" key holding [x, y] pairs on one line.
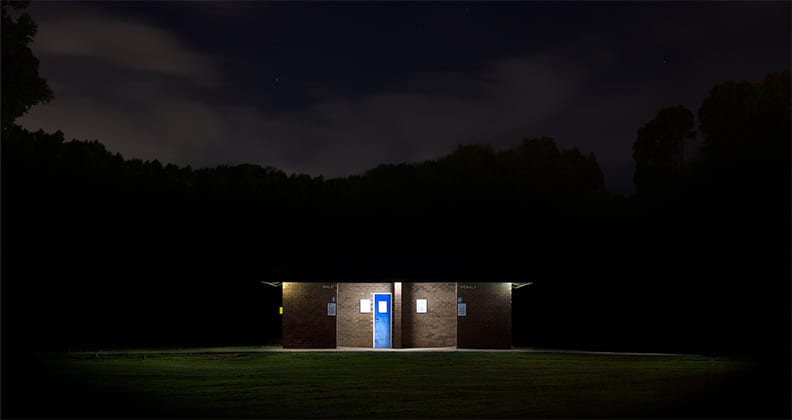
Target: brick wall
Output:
{"points": [[435, 328], [355, 329], [305, 320], [487, 324], [488, 320]]}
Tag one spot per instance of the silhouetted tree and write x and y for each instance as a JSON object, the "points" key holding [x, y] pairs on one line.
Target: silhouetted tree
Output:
{"points": [[747, 123], [659, 149], [22, 85]]}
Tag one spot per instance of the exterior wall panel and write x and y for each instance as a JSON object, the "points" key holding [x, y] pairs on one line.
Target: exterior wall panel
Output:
{"points": [[435, 328], [355, 329], [488, 320], [305, 320]]}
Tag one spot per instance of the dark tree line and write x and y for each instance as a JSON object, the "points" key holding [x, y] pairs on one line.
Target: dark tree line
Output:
{"points": [[93, 237], [102, 251]]}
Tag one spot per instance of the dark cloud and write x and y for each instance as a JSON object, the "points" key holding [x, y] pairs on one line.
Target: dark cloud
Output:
{"points": [[128, 45]]}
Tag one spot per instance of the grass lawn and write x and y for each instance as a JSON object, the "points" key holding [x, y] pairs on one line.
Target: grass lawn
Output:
{"points": [[383, 384]]}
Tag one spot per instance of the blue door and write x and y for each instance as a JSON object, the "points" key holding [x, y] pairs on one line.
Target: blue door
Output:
{"points": [[382, 320]]}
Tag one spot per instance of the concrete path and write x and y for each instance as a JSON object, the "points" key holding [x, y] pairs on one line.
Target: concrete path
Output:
{"points": [[279, 349]]}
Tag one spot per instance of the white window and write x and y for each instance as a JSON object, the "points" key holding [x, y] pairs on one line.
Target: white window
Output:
{"points": [[365, 306], [420, 306]]}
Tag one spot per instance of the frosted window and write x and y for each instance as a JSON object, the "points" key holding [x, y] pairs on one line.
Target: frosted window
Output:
{"points": [[365, 306], [383, 307], [420, 306], [331, 309]]}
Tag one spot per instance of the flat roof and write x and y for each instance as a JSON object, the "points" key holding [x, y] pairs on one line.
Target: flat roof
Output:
{"points": [[515, 285]]}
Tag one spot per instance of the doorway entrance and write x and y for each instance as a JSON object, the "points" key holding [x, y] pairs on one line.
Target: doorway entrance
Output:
{"points": [[382, 320]]}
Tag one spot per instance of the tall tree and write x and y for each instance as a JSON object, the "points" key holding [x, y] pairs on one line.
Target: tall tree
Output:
{"points": [[747, 122], [22, 85], [659, 149]]}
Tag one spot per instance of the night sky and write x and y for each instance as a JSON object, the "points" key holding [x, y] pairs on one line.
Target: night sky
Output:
{"points": [[337, 88]]}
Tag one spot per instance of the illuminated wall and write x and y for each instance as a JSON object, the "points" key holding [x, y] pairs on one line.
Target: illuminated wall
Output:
{"points": [[354, 326], [435, 326], [424, 314], [306, 323]]}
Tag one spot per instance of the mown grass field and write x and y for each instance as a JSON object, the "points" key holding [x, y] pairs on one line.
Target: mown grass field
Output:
{"points": [[382, 385]]}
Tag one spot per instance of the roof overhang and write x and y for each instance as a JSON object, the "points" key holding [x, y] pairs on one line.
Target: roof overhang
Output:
{"points": [[280, 283]]}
